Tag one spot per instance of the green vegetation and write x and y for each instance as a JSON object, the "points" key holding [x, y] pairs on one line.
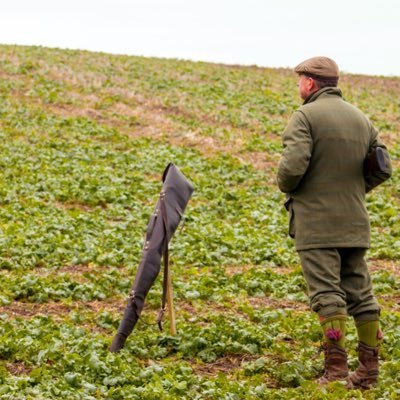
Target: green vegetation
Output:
{"points": [[84, 140]]}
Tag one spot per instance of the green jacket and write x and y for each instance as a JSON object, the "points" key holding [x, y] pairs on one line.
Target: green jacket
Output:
{"points": [[321, 171]]}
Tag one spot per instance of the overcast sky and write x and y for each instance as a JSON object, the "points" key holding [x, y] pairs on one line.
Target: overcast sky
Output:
{"points": [[362, 36]]}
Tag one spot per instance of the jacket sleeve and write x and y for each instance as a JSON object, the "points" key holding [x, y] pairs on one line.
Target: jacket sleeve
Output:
{"points": [[298, 146], [377, 177]]}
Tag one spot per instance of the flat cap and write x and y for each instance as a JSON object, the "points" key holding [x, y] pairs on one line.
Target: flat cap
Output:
{"points": [[322, 67]]}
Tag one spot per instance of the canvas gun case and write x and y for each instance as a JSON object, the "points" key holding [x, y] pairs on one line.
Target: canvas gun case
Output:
{"points": [[175, 194]]}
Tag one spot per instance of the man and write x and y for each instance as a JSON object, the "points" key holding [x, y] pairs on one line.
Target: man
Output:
{"points": [[321, 171]]}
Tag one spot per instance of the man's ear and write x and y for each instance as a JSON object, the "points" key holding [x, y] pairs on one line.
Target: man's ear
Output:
{"points": [[312, 85]]}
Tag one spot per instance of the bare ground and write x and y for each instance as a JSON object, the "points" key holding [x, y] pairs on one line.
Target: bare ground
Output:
{"points": [[393, 267], [229, 365], [278, 304], [28, 310], [18, 369], [224, 364]]}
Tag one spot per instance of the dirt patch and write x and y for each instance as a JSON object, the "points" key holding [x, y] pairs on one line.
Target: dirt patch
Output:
{"points": [[155, 120], [231, 364], [225, 365], [236, 269], [76, 269], [393, 267], [390, 302], [112, 305], [27, 310], [79, 269], [187, 308], [277, 304], [18, 369], [68, 111], [283, 270], [73, 206]]}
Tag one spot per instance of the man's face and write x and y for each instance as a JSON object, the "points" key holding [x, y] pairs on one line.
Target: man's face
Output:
{"points": [[306, 86]]}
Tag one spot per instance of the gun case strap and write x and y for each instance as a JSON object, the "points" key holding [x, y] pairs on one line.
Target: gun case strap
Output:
{"points": [[166, 261]]}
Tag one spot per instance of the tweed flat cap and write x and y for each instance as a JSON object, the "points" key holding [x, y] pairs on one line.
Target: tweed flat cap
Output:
{"points": [[323, 67]]}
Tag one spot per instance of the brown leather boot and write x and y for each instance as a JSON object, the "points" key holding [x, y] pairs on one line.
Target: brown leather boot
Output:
{"points": [[366, 375], [335, 365]]}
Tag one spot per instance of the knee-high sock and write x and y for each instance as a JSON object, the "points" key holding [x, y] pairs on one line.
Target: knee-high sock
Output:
{"points": [[334, 329], [369, 332]]}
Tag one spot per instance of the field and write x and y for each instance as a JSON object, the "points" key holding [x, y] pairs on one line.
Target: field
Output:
{"points": [[84, 141]]}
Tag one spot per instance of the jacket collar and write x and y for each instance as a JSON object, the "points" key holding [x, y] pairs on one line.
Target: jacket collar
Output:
{"points": [[323, 92]]}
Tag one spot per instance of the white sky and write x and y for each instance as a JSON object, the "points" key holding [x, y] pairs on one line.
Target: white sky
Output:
{"points": [[363, 36]]}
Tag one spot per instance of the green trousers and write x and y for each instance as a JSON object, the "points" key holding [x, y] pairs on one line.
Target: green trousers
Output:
{"points": [[338, 281]]}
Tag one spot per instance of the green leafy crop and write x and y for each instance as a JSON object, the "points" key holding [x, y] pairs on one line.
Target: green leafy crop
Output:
{"points": [[84, 139]]}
